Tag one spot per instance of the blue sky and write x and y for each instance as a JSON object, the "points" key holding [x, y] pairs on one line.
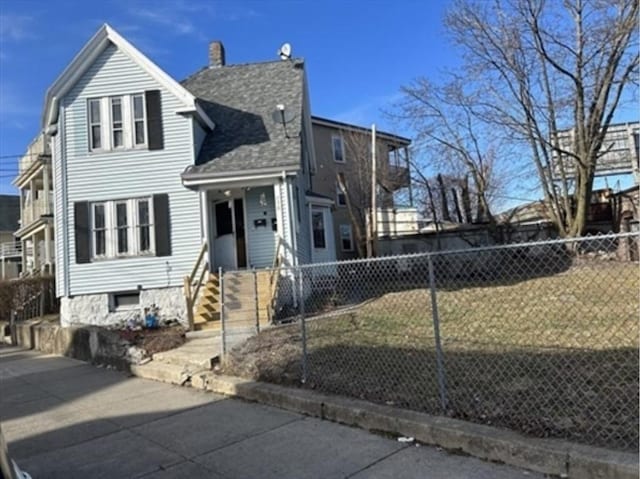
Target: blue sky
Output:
{"points": [[358, 53]]}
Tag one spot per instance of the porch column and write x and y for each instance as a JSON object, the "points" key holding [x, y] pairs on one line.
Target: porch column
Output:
{"points": [[35, 252], [46, 188], [32, 191], [23, 254], [47, 248]]}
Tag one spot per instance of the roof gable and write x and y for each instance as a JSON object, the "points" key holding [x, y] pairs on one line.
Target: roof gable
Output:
{"points": [[90, 52]]}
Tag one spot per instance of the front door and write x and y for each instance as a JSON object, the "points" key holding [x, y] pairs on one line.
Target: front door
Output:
{"points": [[229, 244]]}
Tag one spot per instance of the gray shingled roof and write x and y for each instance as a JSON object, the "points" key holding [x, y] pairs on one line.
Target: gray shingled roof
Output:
{"points": [[240, 99], [9, 212]]}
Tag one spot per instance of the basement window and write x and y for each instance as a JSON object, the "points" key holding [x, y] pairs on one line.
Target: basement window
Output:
{"points": [[125, 301]]}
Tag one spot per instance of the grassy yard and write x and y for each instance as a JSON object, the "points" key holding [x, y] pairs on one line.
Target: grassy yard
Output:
{"points": [[553, 356]]}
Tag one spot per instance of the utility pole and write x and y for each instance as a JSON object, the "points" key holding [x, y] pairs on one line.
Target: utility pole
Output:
{"points": [[374, 211]]}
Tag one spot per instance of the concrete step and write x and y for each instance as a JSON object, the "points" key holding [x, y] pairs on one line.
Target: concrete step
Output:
{"points": [[157, 371], [195, 354], [204, 334], [207, 326]]}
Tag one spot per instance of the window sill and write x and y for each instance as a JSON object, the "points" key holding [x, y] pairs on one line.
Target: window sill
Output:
{"points": [[120, 149], [100, 259]]}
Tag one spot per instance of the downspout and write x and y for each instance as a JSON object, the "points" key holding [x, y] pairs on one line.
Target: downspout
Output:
{"points": [[65, 203], [292, 225]]}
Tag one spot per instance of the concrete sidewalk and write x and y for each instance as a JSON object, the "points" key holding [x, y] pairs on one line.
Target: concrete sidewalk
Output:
{"points": [[66, 419]]}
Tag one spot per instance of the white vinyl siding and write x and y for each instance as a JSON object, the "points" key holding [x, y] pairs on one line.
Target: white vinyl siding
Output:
{"points": [[100, 176]]}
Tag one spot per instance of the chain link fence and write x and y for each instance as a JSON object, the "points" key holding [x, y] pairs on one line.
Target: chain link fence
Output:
{"points": [[538, 337]]}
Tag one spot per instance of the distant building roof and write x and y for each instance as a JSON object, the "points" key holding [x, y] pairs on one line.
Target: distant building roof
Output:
{"points": [[241, 100], [9, 212], [400, 140]]}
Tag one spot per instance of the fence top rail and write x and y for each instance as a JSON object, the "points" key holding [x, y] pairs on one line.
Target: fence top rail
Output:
{"points": [[426, 254]]}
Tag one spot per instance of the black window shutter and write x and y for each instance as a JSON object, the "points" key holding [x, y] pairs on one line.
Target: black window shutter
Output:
{"points": [[83, 246], [155, 138], [162, 224]]}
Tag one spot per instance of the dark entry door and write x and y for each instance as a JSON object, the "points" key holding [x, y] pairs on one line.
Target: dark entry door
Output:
{"points": [[241, 250]]}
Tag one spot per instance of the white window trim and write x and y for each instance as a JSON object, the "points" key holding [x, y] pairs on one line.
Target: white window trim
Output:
{"points": [[132, 122], [133, 226], [350, 237], [333, 148], [106, 123]]}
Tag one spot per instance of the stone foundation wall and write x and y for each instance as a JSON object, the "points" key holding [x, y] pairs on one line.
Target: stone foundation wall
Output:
{"points": [[94, 309]]}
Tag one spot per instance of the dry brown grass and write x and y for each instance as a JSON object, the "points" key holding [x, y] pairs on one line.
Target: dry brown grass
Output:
{"points": [[554, 356]]}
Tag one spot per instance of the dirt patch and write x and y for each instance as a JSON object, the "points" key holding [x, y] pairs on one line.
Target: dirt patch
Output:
{"points": [[154, 341]]}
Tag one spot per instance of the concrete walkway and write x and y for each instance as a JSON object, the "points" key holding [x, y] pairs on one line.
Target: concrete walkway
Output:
{"points": [[66, 419]]}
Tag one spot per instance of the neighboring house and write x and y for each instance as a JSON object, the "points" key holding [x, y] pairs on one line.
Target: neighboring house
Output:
{"points": [[619, 153], [10, 252], [36, 232], [342, 154], [147, 169]]}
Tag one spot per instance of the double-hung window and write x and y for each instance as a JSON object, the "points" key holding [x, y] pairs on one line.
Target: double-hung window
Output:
{"points": [[144, 226], [317, 222], [99, 230], [346, 238], [122, 122], [338, 149], [341, 194], [122, 228], [139, 122], [117, 124], [95, 124]]}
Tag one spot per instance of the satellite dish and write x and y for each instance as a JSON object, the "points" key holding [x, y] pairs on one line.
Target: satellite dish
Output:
{"points": [[285, 51], [282, 116]]}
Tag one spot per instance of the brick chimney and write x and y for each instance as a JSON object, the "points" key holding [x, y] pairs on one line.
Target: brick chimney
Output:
{"points": [[216, 54]]}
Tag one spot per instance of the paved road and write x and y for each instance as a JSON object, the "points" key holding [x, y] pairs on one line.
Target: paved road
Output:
{"points": [[66, 419]]}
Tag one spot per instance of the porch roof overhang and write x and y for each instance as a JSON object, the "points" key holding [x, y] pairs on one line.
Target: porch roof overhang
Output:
{"points": [[34, 227], [237, 178]]}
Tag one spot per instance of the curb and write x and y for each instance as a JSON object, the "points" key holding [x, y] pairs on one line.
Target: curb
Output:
{"points": [[547, 456]]}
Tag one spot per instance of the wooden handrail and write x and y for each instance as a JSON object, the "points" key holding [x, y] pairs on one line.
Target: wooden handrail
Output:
{"points": [[192, 289], [273, 279], [203, 250]]}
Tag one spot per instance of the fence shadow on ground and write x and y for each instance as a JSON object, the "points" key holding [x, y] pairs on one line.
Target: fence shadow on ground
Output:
{"points": [[525, 389]]}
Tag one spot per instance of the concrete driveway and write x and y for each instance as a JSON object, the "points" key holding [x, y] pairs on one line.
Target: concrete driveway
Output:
{"points": [[66, 419]]}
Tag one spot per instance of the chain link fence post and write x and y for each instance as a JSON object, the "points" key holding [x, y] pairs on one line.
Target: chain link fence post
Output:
{"points": [[223, 332], [255, 299], [303, 323], [442, 379]]}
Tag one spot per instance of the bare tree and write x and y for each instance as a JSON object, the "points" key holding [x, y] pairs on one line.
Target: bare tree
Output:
{"points": [[454, 141], [356, 185], [544, 67]]}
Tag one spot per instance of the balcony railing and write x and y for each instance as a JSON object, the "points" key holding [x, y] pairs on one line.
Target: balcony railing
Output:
{"points": [[34, 210], [36, 149], [10, 250], [395, 177]]}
